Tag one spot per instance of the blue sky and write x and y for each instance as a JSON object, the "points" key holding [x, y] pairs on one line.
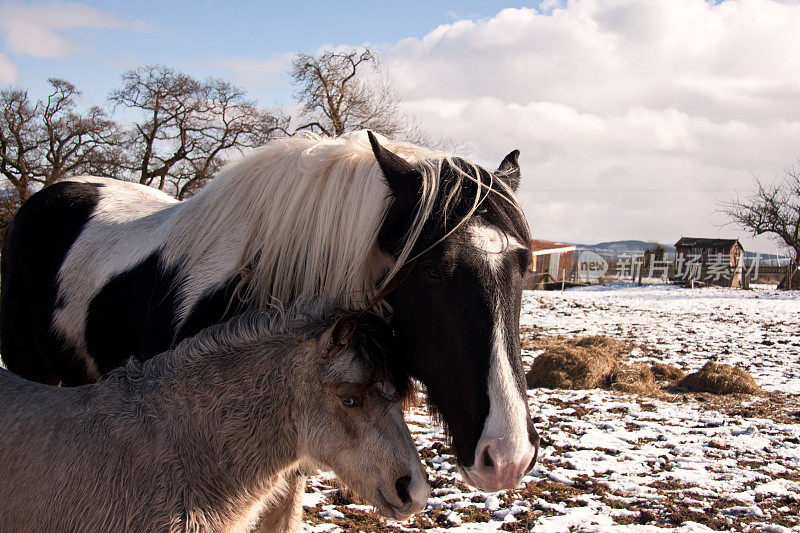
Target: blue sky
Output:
{"points": [[201, 37], [635, 118]]}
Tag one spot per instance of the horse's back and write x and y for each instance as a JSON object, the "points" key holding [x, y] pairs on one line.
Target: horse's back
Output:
{"points": [[37, 242], [47, 238]]}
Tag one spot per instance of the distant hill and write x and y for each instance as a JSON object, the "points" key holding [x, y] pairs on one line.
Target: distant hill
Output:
{"points": [[632, 247], [621, 247]]}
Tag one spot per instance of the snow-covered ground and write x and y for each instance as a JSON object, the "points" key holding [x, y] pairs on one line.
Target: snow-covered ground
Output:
{"points": [[758, 330], [617, 462]]}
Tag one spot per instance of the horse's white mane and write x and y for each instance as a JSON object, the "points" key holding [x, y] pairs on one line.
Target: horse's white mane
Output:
{"points": [[314, 206]]}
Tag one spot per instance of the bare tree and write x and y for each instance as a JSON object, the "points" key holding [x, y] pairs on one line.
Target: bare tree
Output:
{"points": [[234, 123], [773, 209], [9, 203], [45, 141], [338, 97], [167, 99], [187, 128], [77, 143], [20, 141]]}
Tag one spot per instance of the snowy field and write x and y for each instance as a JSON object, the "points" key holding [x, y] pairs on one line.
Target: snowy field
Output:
{"points": [[617, 462]]}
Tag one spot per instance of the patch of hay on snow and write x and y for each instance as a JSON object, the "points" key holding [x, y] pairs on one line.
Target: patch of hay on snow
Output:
{"points": [[593, 362], [665, 372], [718, 378], [634, 378], [583, 363]]}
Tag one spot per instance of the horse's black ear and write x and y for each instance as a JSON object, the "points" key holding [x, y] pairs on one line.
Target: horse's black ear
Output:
{"points": [[402, 178], [508, 170], [341, 332]]}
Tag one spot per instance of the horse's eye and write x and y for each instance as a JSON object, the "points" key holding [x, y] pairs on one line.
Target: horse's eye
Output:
{"points": [[351, 401], [432, 271]]}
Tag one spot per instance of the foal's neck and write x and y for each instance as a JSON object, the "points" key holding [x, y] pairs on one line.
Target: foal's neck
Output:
{"points": [[239, 412]]}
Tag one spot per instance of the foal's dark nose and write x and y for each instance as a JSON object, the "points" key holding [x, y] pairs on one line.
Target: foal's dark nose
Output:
{"points": [[401, 486]]}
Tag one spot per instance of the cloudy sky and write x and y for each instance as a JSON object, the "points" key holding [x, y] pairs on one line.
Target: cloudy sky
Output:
{"points": [[635, 118]]}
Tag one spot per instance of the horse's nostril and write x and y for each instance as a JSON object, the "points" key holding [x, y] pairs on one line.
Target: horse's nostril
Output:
{"points": [[487, 459], [401, 486]]}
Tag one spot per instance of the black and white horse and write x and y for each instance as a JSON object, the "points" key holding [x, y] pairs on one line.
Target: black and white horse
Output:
{"points": [[95, 270]]}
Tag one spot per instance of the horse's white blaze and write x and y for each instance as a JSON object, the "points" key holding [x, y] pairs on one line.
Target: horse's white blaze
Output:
{"points": [[507, 420], [506, 427]]}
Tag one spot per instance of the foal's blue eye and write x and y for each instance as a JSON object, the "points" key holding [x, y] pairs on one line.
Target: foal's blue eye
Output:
{"points": [[351, 402]]}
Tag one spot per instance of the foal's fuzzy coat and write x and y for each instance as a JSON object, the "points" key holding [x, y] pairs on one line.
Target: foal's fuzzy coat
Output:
{"points": [[199, 438]]}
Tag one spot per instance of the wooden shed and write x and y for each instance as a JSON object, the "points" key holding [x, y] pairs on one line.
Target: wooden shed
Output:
{"points": [[553, 262], [791, 281], [710, 261]]}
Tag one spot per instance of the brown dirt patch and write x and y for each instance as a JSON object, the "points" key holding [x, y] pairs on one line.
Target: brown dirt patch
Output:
{"points": [[474, 514], [345, 496], [354, 520], [549, 490], [718, 378], [525, 521], [773, 406], [435, 518]]}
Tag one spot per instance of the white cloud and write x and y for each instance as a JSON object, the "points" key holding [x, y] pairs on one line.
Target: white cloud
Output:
{"points": [[38, 29], [634, 117], [8, 72]]}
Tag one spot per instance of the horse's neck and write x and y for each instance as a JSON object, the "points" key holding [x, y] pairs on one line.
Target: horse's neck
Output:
{"points": [[218, 255], [286, 237]]}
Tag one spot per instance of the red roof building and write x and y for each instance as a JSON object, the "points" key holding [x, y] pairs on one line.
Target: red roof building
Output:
{"points": [[552, 263]]}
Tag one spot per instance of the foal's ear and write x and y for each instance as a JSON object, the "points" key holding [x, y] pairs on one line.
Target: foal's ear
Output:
{"points": [[338, 336], [508, 171], [403, 179]]}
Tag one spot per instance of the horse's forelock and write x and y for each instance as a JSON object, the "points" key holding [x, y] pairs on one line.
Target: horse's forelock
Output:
{"points": [[456, 190]]}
